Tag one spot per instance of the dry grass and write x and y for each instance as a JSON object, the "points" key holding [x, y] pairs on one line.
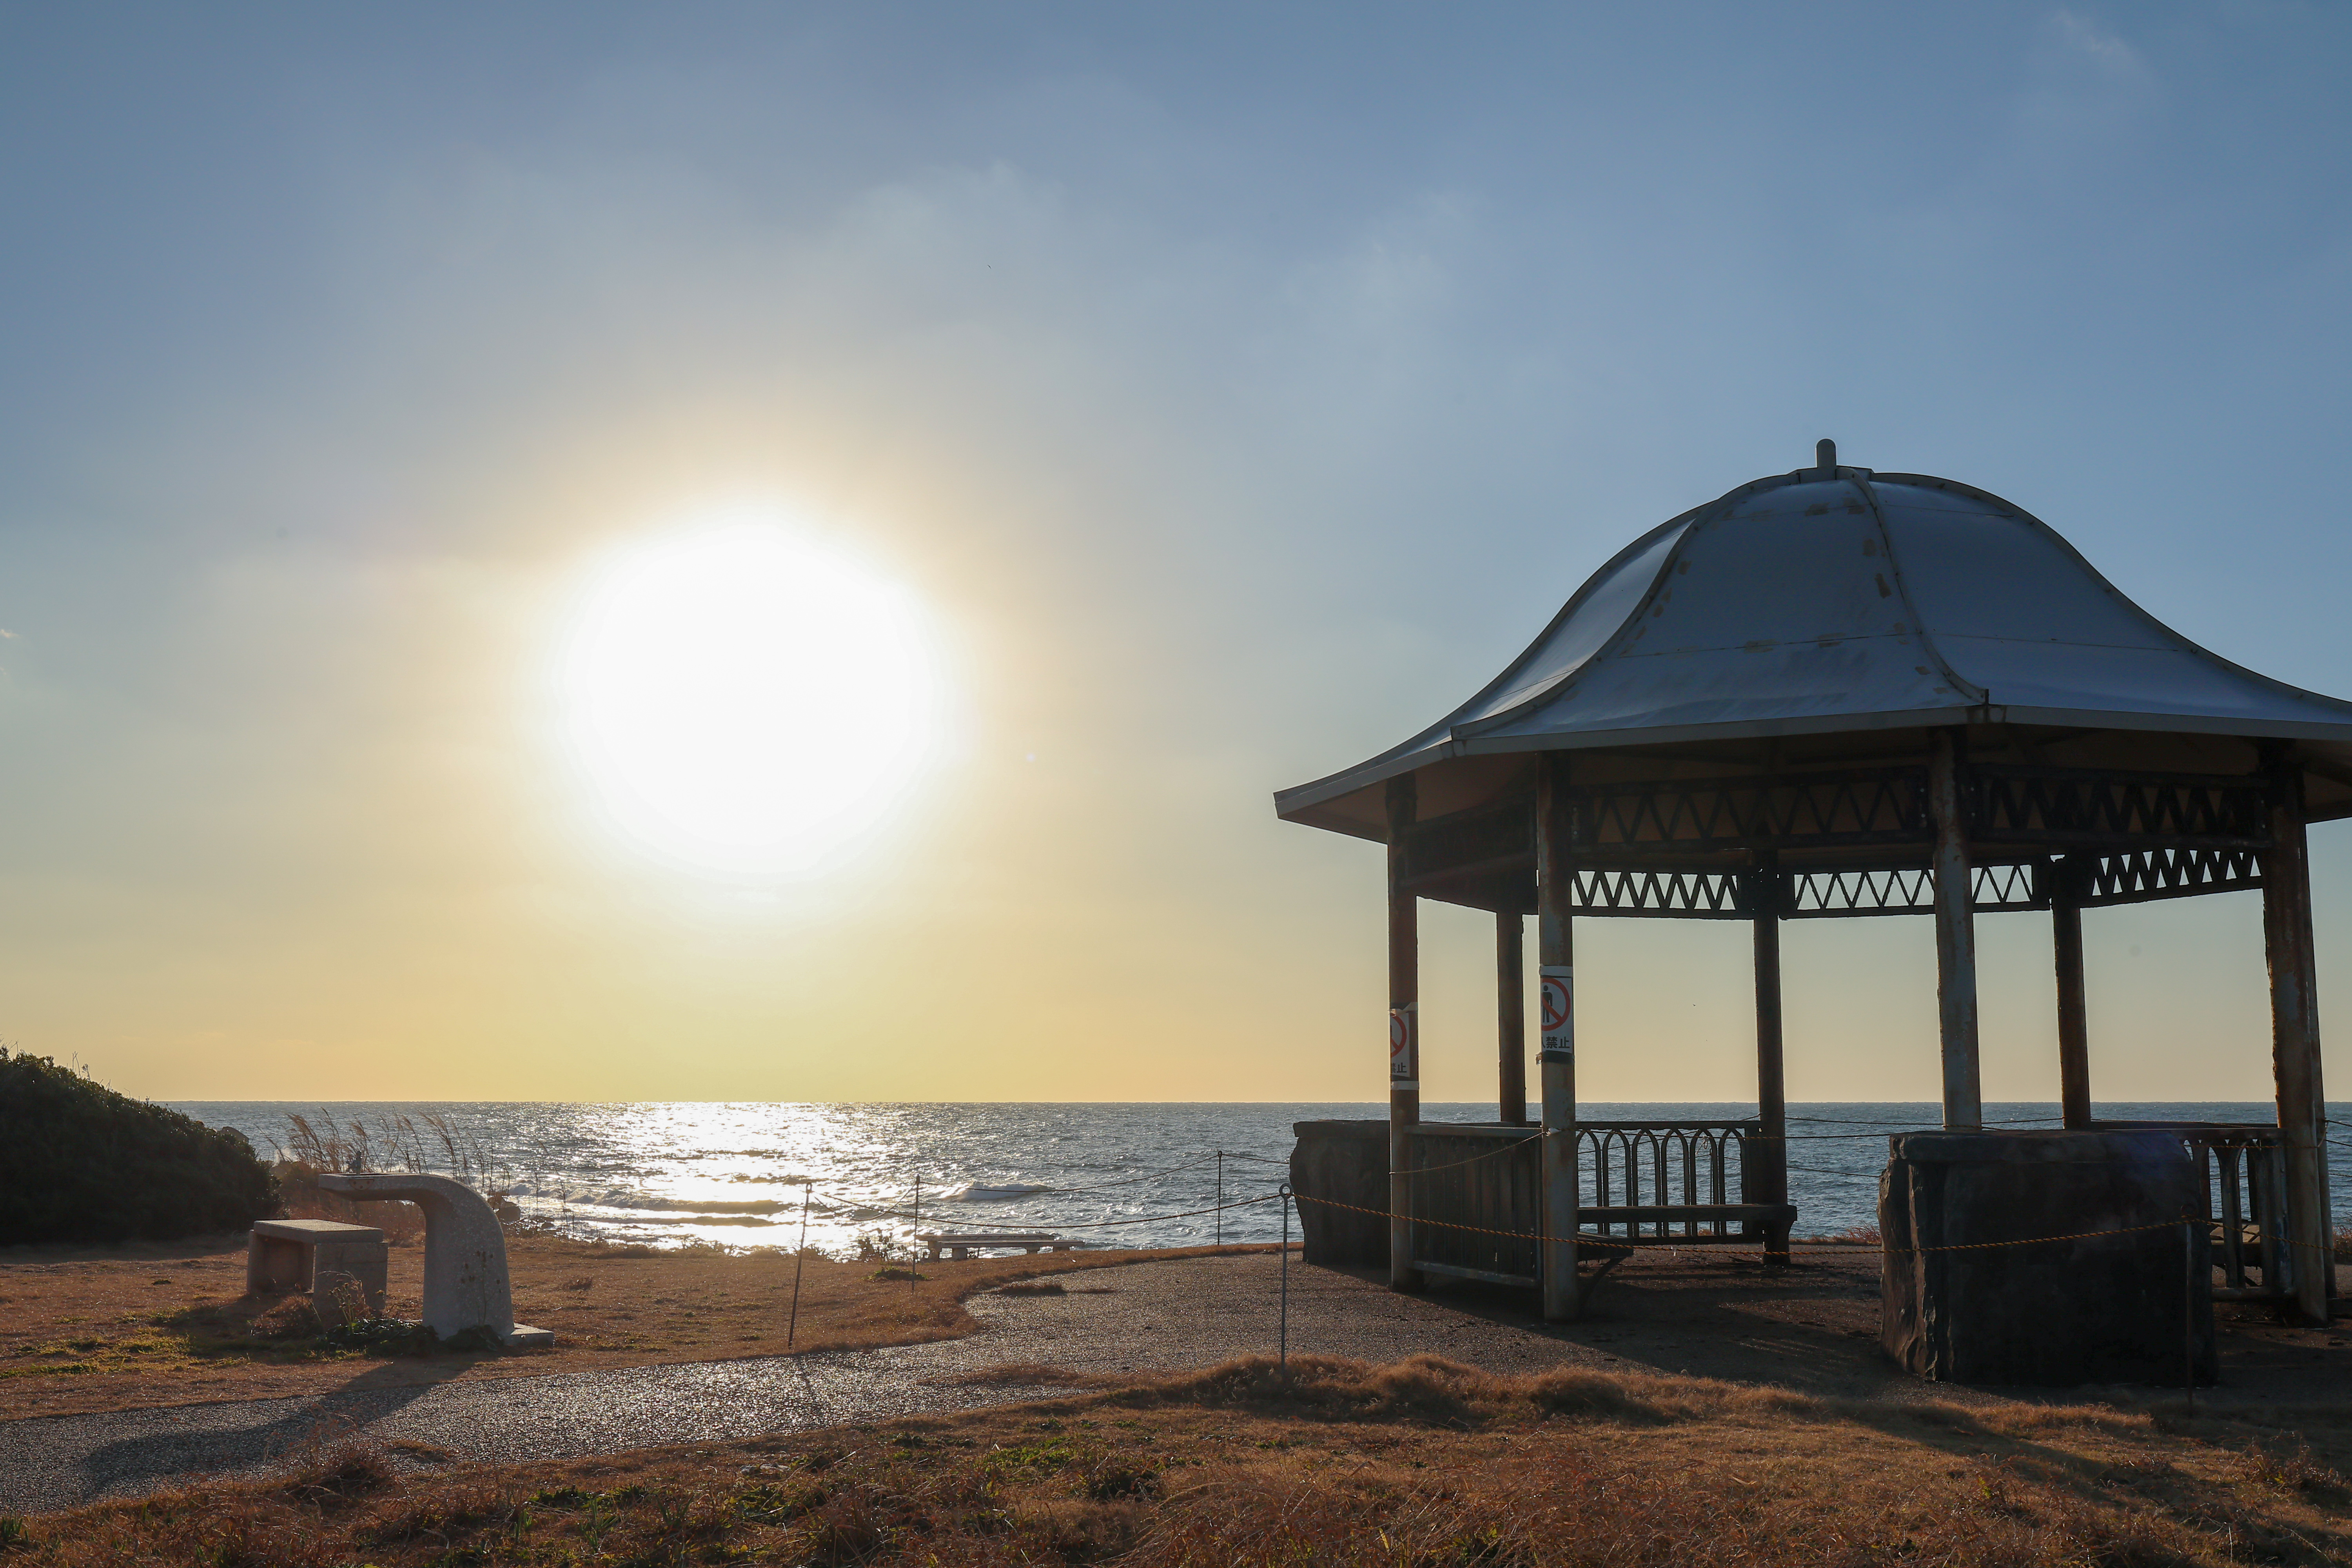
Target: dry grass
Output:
{"points": [[118, 1328], [1422, 1462]]}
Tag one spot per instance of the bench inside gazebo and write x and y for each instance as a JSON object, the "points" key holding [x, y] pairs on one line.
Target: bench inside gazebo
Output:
{"points": [[1834, 694]]}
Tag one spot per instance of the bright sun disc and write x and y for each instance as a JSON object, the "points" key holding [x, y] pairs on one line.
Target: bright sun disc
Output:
{"points": [[749, 702]]}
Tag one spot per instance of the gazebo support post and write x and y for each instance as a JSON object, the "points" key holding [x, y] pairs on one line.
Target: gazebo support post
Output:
{"points": [[1563, 1290], [1764, 1170], [2073, 1008], [2294, 1038], [1956, 938], [1511, 1015], [1404, 1035]]}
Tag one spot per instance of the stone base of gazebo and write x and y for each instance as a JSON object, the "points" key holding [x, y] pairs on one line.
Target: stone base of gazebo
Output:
{"points": [[1339, 1172], [2047, 1259]]}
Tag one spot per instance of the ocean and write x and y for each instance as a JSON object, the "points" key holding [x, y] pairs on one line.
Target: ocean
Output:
{"points": [[739, 1175]]}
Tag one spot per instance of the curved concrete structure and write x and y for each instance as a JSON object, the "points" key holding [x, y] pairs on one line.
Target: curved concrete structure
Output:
{"points": [[465, 1254]]}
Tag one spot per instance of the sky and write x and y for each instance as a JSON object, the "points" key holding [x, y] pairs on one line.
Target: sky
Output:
{"points": [[1214, 393]]}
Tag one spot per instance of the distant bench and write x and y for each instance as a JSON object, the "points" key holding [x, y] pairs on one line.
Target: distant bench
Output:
{"points": [[309, 1253], [961, 1246]]}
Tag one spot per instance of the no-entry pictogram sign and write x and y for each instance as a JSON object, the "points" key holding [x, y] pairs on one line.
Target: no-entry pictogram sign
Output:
{"points": [[1404, 1057], [1558, 998]]}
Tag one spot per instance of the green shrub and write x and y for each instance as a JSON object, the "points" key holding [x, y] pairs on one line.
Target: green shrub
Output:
{"points": [[80, 1162]]}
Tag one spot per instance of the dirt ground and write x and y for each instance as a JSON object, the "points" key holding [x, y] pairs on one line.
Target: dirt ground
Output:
{"points": [[1421, 1462], [88, 1328]]}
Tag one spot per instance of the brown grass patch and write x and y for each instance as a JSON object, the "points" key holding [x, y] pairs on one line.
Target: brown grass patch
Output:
{"points": [[1422, 1462]]}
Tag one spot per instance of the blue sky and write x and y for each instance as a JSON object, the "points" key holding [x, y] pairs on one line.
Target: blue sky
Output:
{"points": [[1238, 387]]}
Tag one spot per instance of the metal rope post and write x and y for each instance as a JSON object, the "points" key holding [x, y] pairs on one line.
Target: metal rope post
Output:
{"points": [[800, 1262], [1285, 1283]]}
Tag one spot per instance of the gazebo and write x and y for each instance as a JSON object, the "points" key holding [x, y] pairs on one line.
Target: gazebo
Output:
{"points": [[1833, 693]]}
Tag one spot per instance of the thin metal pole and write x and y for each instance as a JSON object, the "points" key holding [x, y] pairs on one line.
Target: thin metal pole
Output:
{"points": [[1285, 1281], [1220, 1197], [913, 1226], [800, 1262]]}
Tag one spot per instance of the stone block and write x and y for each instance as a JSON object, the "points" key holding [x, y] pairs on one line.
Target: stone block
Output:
{"points": [[1342, 1164], [2126, 1298], [295, 1255]]}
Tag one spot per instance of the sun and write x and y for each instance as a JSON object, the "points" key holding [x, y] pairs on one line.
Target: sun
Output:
{"points": [[748, 701]]}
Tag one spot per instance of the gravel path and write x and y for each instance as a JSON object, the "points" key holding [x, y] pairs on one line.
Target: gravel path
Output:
{"points": [[1812, 1329]]}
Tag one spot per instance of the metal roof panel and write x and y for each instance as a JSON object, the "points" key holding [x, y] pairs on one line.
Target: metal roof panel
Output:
{"points": [[1836, 598]]}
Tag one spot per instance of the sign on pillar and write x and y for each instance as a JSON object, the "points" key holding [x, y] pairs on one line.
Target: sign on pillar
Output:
{"points": [[1558, 1015], [1404, 1048]]}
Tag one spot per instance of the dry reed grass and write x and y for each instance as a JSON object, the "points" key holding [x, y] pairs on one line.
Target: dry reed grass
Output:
{"points": [[1422, 1462]]}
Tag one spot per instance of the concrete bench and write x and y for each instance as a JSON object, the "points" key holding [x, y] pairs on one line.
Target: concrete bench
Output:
{"points": [[961, 1246], [289, 1255], [465, 1282]]}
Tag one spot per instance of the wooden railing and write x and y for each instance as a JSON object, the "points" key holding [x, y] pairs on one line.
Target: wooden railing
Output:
{"points": [[1665, 1178], [1479, 1188], [1484, 1183]]}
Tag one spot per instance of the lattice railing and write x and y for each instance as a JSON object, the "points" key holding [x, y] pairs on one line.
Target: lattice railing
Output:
{"points": [[2073, 805], [2171, 873], [1810, 895], [1878, 807], [1692, 895], [1635, 844], [1820, 893]]}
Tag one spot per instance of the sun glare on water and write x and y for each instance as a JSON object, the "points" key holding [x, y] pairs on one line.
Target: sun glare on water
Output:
{"points": [[750, 702]]}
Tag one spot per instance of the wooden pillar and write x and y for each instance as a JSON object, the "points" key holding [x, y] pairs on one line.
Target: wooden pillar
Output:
{"points": [[2295, 1038], [1766, 1173], [2074, 1009], [1404, 1035], [1564, 1290], [1955, 937], [1511, 1015]]}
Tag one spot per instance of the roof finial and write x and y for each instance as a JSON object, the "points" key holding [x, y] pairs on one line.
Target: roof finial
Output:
{"points": [[1825, 455]]}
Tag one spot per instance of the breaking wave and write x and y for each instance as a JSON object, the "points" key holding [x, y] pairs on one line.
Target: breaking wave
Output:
{"points": [[992, 1192]]}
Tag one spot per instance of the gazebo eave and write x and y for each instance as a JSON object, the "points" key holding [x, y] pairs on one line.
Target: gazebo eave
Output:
{"points": [[1352, 802]]}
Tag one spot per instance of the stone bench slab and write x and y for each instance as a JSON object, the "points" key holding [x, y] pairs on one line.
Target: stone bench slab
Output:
{"points": [[316, 1230], [964, 1245]]}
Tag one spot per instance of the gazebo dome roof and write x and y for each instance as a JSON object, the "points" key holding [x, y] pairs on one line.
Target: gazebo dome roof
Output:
{"points": [[1845, 612]]}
